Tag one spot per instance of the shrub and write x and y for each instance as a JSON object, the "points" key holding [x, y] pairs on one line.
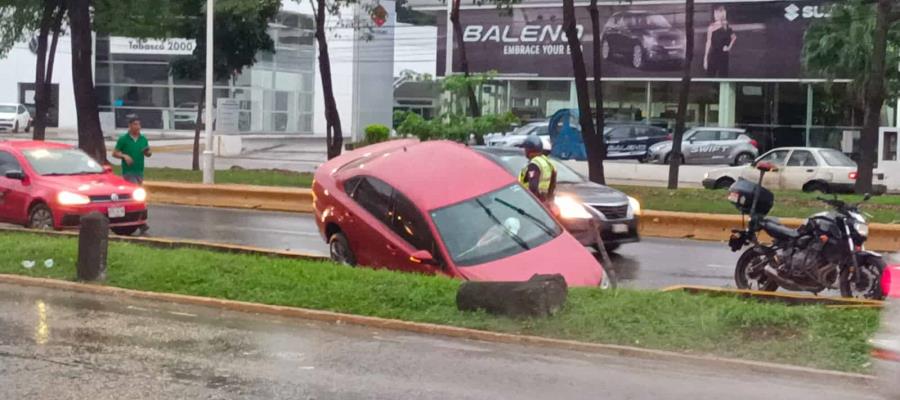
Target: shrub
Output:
{"points": [[377, 133]]}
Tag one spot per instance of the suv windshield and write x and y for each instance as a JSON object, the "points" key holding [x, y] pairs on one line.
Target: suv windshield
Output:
{"points": [[9, 109], [516, 163], [835, 158], [494, 226], [62, 162]]}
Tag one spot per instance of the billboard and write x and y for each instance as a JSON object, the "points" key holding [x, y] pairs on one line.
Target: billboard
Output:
{"points": [[732, 40]]}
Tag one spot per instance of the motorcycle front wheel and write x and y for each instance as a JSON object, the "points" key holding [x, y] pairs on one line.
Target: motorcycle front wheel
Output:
{"points": [[865, 283], [749, 273]]}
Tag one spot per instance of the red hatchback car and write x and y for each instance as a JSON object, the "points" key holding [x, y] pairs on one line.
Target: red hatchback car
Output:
{"points": [[47, 185], [441, 208]]}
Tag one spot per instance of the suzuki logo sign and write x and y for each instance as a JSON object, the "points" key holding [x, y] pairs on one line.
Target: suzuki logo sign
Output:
{"points": [[792, 12]]}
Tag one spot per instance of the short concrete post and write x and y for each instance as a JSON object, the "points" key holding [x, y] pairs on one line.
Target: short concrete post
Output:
{"points": [[93, 244]]}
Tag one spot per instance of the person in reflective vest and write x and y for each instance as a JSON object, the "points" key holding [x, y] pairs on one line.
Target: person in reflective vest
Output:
{"points": [[539, 176]]}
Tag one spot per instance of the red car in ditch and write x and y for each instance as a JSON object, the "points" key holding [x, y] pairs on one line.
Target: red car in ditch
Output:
{"points": [[440, 208], [47, 185]]}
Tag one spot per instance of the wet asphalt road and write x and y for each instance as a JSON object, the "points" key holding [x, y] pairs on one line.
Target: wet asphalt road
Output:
{"points": [[64, 345], [651, 264]]}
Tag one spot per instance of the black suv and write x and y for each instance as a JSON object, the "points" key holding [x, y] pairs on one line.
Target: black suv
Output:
{"points": [[641, 38], [632, 141]]}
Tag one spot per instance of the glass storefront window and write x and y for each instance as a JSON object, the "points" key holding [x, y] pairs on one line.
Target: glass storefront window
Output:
{"points": [[538, 99], [140, 96], [624, 101], [157, 74], [703, 104]]}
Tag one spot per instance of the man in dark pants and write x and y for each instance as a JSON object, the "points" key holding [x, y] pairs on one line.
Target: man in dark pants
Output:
{"points": [[132, 148]]}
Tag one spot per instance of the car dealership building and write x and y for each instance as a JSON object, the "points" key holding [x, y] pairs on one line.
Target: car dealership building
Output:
{"points": [[279, 95], [759, 83]]}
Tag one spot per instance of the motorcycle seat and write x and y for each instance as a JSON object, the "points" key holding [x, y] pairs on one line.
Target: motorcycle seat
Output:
{"points": [[778, 231]]}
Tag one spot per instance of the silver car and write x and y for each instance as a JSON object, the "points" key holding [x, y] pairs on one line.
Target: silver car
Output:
{"points": [[710, 146], [517, 137]]}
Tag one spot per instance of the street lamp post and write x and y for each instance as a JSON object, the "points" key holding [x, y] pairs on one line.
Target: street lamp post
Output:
{"points": [[208, 157]]}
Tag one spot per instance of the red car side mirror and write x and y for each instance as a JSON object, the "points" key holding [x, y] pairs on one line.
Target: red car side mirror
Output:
{"points": [[422, 257], [766, 167]]}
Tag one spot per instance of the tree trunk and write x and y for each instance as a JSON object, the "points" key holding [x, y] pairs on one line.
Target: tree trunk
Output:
{"points": [[90, 135], [334, 135], [598, 96], [201, 105], [868, 141], [474, 108], [44, 90], [40, 95], [585, 118], [675, 155]]}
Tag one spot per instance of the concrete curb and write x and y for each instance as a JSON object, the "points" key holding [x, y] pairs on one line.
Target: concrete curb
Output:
{"points": [[231, 196], [181, 244], [443, 330], [780, 297], [666, 224]]}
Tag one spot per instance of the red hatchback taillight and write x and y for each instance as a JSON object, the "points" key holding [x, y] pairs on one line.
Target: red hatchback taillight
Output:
{"points": [[853, 175], [669, 137], [754, 143]]}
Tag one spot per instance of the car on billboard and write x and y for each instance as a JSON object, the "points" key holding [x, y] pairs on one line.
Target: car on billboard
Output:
{"points": [[517, 137], [632, 141], [585, 208], [799, 168], [642, 38], [46, 185], [710, 146], [14, 117], [467, 217]]}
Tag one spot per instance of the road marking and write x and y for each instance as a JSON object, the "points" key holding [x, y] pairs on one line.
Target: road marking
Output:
{"points": [[718, 266], [138, 308], [183, 314]]}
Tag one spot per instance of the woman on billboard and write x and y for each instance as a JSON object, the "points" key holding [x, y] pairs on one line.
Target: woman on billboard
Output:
{"points": [[720, 39]]}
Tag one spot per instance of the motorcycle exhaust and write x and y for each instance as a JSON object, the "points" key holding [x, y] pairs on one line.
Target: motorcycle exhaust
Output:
{"points": [[788, 283]]}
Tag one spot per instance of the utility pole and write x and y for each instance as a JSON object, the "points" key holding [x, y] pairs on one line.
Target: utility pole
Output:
{"points": [[208, 157]]}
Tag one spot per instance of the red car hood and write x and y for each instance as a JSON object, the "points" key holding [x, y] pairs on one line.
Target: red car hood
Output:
{"points": [[90, 185], [563, 255]]}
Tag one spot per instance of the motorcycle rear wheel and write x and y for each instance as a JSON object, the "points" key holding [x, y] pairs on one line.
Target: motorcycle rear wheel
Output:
{"points": [[749, 272], [871, 267]]}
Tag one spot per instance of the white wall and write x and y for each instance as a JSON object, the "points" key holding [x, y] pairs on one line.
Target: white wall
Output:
{"points": [[415, 49], [19, 66]]}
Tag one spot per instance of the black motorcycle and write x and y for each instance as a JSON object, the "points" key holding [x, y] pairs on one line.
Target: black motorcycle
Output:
{"points": [[827, 252]]}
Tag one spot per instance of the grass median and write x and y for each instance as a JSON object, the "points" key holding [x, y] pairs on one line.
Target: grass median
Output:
{"points": [[804, 335]]}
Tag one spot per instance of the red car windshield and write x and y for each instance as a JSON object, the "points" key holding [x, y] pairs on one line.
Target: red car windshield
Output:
{"points": [[62, 162], [494, 226]]}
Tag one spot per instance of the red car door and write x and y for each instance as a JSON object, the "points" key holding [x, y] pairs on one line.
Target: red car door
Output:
{"points": [[366, 227], [13, 192], [411, 234]]}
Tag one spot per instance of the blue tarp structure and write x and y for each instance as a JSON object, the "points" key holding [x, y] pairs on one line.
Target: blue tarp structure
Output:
{"points": [[565, 134]]}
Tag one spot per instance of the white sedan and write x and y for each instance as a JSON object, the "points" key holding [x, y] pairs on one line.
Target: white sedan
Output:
{"points": [[799, 168], [517, 137], [14, 117]]}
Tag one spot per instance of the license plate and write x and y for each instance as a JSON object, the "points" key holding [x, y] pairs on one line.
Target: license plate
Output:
{"points": [[620, 228], [116, 212]]}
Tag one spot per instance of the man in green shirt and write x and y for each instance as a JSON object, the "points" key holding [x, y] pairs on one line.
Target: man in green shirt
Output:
{"points": [[131, 148]]}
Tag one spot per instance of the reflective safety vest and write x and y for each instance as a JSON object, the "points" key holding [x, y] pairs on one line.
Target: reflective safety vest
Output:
{"points": [[547, 169]]}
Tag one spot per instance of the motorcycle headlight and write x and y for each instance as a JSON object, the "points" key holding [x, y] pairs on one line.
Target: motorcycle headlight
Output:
{"points": [[570, 208], [72, 199], [862, 229], [635, 205]]}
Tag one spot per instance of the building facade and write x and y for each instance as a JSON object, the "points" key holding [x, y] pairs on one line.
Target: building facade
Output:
{"points": [[747, 65], [280, 95]]}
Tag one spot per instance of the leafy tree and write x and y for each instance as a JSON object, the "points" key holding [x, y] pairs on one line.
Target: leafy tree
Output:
{"points": [[18, 19], [854, 43], [90, 134], [240, 35], [675, 157]]}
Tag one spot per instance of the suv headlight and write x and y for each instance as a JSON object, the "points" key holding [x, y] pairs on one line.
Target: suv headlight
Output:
{"points": [[569, 208]]}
